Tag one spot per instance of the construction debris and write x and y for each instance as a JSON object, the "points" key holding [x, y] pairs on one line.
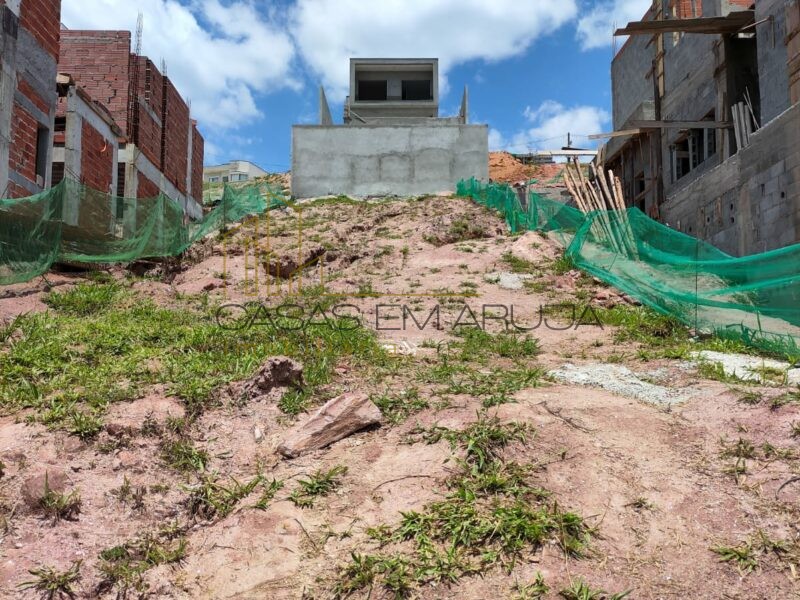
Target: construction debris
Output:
{"points": [[340, 417]]}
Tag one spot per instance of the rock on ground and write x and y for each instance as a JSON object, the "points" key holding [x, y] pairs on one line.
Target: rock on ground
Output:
{"points": [[287, 265], [278, 371], [340, 417], [36, 486], [618, 380], [749, 368]]}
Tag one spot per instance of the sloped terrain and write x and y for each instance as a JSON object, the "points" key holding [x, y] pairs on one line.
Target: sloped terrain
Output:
{"points": [[589, 452]]}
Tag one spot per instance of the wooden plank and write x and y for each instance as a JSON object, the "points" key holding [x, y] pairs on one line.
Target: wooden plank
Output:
{"points": [[730, 24], [613, 134], [682, 124]]}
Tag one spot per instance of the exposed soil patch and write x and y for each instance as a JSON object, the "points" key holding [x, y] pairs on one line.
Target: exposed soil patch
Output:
{"points": [[646, 473]]}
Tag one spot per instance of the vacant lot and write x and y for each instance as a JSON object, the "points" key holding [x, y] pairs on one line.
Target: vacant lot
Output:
{"points": [[590, 455]]}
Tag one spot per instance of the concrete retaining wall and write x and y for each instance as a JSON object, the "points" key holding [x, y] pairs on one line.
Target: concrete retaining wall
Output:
{"points": [[375, 160]]}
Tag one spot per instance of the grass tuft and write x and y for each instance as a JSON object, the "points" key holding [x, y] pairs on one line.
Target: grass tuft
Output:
{"points": [[51, 583], [320, 484]]}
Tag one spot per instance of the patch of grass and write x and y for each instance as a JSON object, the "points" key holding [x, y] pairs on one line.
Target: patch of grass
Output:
{"points": [[743, 556], [749, 397], [643, 325], [481, 441], [531, 591], [396, 408], [562, 265], [181, 455], [463, 229], [320, 484], [268, 493], [580, 590], [741, 448], [476, 345], [52, 584], [211, 499], [795, 432], [128, 494], [85, 425], [123, 566], [57, 506], [491, 517], [715, 371], [785, 399], [85, 298], [518, 265], [60, 360]]}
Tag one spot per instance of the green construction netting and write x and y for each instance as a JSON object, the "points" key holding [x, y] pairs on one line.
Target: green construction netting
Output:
{"points": [[73, 223], [755, 298]]}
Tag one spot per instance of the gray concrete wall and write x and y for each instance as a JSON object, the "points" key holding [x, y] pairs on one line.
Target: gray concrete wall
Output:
{"points": [[773, 74], [374, 160], [751, 202], [631, 89]]}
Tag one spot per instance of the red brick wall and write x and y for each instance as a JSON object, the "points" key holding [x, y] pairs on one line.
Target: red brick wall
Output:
{"points": [[100, 62], [22, 151], [150, 100], [176, 144], [97, 159], [682, 9], [42, 19], [146, 188], [198, 149]]}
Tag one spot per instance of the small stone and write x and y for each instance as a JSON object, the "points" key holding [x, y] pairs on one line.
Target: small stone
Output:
{"points": [[257, 434], [340, 417], [36, 486]]}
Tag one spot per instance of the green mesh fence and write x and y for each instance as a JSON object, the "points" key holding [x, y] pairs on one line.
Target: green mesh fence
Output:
{"points": [[755, 299], [73, 223]]}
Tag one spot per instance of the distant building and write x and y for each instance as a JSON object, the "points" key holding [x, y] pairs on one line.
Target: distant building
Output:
{"points": [[393, 141], [232, 172]]}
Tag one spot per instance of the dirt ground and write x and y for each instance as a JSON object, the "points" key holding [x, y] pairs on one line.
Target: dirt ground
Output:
{"points": [[658, 485]]}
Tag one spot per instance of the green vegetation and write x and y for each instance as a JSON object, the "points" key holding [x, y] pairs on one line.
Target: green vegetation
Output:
{"points": [[181, 455], [518, 265], [211, 499], [57, 506], [101, 345], [52, 584], [123, 566], [531, 591], [320, 484], [491, 517], [580, 590], [396, 408]]}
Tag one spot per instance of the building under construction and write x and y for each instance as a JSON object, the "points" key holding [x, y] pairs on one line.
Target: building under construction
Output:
{"points": [[707, 120]]}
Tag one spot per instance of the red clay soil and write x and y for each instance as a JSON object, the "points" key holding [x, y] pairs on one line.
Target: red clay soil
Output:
{"points": [[503, 167]]}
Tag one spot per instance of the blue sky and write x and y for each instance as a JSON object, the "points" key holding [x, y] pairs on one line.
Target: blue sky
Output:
{"points": [[536, 69]]}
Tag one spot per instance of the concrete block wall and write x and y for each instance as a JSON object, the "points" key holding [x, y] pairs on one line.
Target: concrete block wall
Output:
{"points": [[374, 160], [773, 75], [631, 87], [793, 49], [751, 202], [177, 127], [29, 37]]}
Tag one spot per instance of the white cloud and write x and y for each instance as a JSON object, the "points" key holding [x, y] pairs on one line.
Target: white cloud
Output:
{"points": [[218, 54], [329, 32], [550, 122], [596, 27]]}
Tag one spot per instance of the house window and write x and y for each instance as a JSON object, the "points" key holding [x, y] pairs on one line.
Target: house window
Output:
{"points": [[417, 90], [213, 180], [372, 91], [693, 148], [42, 148]]}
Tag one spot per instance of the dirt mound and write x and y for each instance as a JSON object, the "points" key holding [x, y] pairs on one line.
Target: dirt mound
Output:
{"points": [[504, 167]]}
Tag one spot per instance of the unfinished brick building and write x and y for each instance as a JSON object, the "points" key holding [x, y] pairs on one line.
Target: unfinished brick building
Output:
{"points": [[706, 102], [161, 149], [28, 57]]}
